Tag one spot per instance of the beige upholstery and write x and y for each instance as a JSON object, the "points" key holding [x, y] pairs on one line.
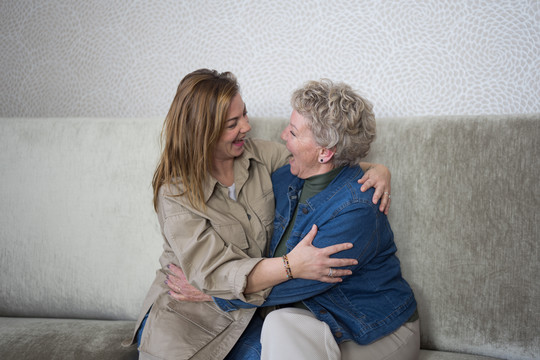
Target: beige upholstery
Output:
{"points": [[79, 238]]}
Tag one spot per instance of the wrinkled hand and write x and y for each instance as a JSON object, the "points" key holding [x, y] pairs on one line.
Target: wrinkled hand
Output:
{"points": [[378, 177], [309, 262], [181, 289]]}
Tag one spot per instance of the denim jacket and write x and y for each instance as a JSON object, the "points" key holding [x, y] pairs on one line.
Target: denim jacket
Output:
{"points": [[372, 302]]}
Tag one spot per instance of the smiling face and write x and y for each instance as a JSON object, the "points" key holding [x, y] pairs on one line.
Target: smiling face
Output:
{"points": [[305, 151], [231, 142]]}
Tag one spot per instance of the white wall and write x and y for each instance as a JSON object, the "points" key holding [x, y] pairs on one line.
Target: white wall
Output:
{"points": [[97, 58]]}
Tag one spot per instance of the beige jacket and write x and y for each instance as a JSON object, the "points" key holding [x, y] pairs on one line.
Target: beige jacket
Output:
{"points": [[217, 249]]}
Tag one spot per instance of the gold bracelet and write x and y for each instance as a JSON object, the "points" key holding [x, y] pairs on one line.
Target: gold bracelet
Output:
{"points": [[287, 267]]}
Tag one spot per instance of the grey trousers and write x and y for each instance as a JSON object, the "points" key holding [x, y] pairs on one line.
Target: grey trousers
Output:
{"points": [[293, 333]]}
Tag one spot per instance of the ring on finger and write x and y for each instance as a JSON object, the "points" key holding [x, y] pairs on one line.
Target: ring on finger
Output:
{"points": [[330, 272], [386, 193]]}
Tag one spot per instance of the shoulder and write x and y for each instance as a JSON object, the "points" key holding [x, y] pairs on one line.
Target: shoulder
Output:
{"points": [[170, 200], [173, 189], [172, 203], [285, 170], [282, 176], [348, 178], [261, 149], [268, 153], [282, 179]]}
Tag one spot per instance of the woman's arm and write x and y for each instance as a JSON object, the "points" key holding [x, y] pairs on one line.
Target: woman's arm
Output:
{"points": [[224, 270], [377, 176], [271, 153], [305, 261], [213, 264], [365, 245], [366, 242]]}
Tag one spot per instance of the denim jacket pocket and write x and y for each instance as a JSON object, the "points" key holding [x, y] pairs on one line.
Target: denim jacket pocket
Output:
{"points": [[339, 298]]}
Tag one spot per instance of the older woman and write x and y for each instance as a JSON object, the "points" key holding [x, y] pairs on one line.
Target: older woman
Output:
{"points": [[214, 201], [370, 314]]}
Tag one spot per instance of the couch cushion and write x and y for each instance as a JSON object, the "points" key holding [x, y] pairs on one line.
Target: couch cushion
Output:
{"points": [[27, 339], [442, 355]]}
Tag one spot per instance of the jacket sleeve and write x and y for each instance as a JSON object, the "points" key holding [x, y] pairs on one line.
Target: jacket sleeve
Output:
{"points": [[357, 224], [214, 266], [272, 154]]}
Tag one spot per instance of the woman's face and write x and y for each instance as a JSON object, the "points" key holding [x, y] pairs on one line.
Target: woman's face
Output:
{"points": [[231, 142], [301, 143]]}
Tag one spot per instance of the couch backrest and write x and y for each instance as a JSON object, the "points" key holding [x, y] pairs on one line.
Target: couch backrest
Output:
{"points": [[80, 238], [78, 231], [466, 219]]}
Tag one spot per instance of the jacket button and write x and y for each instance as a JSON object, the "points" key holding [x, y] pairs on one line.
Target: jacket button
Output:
{"points": [[305, 210], [323, 312], [249, 217], [338, 334]]}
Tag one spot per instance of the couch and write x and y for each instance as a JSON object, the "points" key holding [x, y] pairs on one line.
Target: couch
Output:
{"points": [[80, 241]]}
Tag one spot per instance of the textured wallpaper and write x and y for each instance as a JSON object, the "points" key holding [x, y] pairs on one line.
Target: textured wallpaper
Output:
{"points": [[125, 58]]}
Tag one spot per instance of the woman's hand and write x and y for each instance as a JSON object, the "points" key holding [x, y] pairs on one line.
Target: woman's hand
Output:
{"points": [[378, 176], [309, 262], [181, 289]]}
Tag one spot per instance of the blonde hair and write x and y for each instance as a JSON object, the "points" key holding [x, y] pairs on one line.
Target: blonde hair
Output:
{"points": [[192, 128], [339, 119]]}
